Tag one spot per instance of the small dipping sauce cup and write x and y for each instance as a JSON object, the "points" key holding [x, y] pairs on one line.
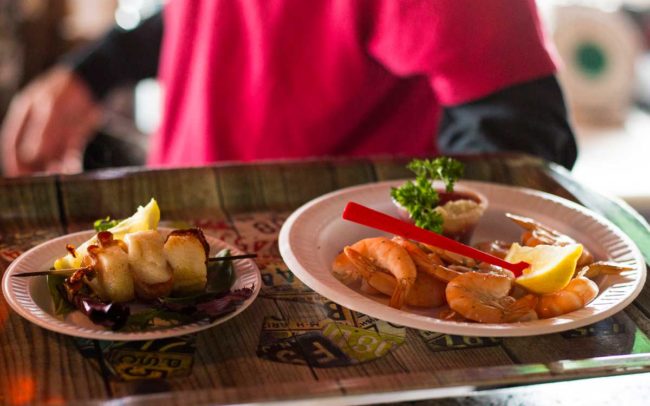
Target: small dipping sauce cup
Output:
{"points": [[461, 211]]}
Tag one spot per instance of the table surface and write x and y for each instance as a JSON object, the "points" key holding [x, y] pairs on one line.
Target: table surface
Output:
{"points": [[278, 350]]}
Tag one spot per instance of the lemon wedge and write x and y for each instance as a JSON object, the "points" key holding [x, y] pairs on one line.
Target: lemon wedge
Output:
{"points": [[145, 218], [551, 266]]}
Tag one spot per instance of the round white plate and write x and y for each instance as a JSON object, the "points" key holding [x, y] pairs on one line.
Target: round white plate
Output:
{"points": [[315, 233], [30, 297]]}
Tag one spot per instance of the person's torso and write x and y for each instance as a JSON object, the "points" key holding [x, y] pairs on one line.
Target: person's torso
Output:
{"points": [[249, 80]]}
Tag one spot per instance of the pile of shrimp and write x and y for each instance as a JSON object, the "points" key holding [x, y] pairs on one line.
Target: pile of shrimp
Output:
{"points": [[419, 275]]}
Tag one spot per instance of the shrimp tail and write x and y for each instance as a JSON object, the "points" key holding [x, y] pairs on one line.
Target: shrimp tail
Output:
{"points": [[442, 273], [400, 294], [363, 265], [522, 309], [602, 268]]}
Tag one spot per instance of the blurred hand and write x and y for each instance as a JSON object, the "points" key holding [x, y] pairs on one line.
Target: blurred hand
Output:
{"points": [[48, 125]]}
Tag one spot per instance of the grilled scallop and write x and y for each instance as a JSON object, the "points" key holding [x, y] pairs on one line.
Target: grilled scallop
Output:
{"points": [[110, 262], [187, 253], [152, 275]]}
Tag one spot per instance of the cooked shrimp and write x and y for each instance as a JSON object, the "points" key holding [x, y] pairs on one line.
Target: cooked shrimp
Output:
{"points": [[427, 291], [484, 267], [428, 263], [461, 268], [576, 295], [497, 248], [366, 288], [484, 297], [387, 255], [450, 257], [450, 315], [373, 275], [445, 274], [344, 270], [602, 268], [537, 233], [421, 258]]}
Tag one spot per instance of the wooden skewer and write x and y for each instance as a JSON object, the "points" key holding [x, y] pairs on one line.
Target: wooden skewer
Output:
{"points": [[231, 257], [70, 271], [65, 272]]}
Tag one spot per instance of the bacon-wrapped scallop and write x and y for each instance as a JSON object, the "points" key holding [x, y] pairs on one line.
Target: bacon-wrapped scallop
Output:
{"points": [[110, 261], [187, 253]]}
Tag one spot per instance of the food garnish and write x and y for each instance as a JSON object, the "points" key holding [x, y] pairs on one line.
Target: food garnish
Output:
{"points": [[552, 266], [105, 224], [145, 218], [420, 198]]}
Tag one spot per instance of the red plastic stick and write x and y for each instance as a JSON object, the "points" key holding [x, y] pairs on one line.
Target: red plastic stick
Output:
{"points": [[368, 217]]}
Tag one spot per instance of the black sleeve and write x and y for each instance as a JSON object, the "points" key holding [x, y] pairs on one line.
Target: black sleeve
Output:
{"points": [[530, 117], [120, 56]]}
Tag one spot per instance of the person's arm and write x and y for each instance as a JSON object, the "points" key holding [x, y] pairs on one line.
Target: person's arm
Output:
{"points": [[50, 122], [528, 117], [119, 57], [488, 66]]}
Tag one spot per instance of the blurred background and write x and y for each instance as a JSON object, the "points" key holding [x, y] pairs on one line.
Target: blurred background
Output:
{"points": [[34, 34], [604, 49], [603, 46]]}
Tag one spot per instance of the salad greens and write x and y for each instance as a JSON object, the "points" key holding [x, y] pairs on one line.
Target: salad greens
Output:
{"points": [[61, 304], [105, 223], [419, 197], [221, 274]]}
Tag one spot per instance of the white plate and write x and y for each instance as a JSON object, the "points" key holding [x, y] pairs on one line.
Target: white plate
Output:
{"points": [[315, 233], [30, 297]]}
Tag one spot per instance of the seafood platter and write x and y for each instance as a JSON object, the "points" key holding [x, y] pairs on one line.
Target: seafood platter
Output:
{"points": [[580, 268]]}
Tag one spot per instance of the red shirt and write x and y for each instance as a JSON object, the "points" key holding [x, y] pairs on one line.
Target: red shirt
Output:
{"points": [[260, 79]]}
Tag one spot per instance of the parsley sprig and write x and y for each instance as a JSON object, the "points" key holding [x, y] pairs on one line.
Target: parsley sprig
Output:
{"points": [[105, 224], [419, 197]]}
